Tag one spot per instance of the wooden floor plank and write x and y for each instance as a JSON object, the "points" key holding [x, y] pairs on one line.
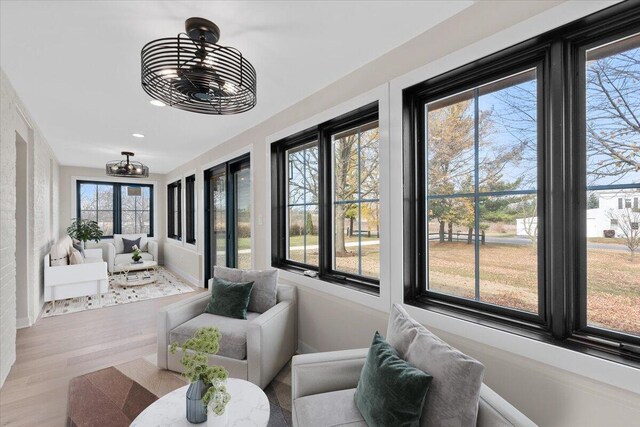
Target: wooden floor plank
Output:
{"points": [[57, 349]]}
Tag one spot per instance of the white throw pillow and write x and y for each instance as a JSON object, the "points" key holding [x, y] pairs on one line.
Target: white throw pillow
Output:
{"points": [[59, 254], [76, 257]]}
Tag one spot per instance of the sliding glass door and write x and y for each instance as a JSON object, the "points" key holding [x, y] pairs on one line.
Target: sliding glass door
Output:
{"points": [[228, 215]]}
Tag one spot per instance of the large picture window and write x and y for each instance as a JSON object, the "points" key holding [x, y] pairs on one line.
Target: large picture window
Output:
{"points": [[118, 208], [521, 214], [228, 215], [609, 86], [481, 216], [355, 198], [174, 210], [190, 207], [302, 204], [326, 200]]}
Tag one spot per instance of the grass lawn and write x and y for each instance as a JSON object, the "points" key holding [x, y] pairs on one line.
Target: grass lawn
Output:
{"points": [[508, 276], [608, 240]]}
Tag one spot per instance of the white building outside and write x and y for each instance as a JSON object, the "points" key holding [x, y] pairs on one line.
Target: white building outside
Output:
{"points": [[599, 219]]}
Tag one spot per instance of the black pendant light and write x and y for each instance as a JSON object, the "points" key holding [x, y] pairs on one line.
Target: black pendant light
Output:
{"points": [[127, 168], [193, 73]]}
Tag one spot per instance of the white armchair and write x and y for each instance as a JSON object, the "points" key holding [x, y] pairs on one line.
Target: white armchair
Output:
{"points": [[255, 349], [116, 255], [71, 281], [322, 381]]}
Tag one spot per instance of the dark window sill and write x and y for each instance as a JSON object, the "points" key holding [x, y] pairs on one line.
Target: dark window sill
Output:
{"points": [[352, 284], [587, 345]]}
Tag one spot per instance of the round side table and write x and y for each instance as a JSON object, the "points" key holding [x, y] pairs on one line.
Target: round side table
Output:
{"points": [[248, 407]]}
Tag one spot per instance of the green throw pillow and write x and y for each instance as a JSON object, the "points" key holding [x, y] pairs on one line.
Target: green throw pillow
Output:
{"points": [[390, 392], [229, 299]]}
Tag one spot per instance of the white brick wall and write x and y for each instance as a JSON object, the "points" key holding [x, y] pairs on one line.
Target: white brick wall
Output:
{"points": [[43, 230]]}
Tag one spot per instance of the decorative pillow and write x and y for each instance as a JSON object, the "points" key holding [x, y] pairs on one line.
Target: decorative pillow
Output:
{"points": [[77, 245], [229, 299], [455, 390], [76, 257], [59, 254], [265, 285], [390, 392], [117, 241], [127, 245]]}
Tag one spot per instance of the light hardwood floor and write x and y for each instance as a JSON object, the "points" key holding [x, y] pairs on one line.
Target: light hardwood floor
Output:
{"points": [[59, 348]]}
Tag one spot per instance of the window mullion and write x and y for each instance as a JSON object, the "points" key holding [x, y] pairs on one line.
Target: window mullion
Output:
{"points": [[304, 205], [557, 194], [476, 204], [359, 203]]}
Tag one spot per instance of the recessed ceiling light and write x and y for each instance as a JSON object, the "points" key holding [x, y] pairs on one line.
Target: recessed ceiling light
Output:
{"points": [[137, 135], [157, 103]]}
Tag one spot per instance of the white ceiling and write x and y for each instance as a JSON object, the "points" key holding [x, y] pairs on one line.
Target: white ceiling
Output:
{"points": [[76, 65]]}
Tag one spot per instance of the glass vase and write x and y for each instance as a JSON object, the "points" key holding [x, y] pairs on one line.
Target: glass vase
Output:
{"points": [[196, 410]]}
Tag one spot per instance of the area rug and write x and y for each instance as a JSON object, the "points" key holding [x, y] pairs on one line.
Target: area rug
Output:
{"points": [[166, 285], [115, 396]]}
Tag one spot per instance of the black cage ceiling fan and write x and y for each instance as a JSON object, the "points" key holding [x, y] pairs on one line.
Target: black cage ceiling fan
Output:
{"points": [[127, 168], [194, 73]]}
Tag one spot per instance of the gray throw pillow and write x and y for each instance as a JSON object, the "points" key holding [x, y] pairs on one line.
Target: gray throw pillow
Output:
{"points": [[129, 244], [77, 245], [265, 285], [454, 393]]}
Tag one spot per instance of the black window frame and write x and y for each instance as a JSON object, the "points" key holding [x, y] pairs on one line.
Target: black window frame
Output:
{"points": [[174, 190], [229, 169], [117, 204], [561, 188], [190, 209], [322, 134]]}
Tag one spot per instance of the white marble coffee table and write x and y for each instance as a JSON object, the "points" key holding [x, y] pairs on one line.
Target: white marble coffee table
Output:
{"points": [[122, 279], [249, 407]]}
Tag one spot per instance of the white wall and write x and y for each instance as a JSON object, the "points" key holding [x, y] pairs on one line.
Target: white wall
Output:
{"points": [[42, 221], [553, 386], [67, 210]]}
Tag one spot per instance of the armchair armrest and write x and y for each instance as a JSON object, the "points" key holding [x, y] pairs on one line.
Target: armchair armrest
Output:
{"points": [[271, 341], [324, 372], [111, 256], [174, 315], [152, 248]]}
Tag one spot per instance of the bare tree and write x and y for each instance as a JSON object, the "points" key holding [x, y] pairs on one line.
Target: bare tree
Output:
{"points": [[628, 220], [613, 116], [356, 173]]}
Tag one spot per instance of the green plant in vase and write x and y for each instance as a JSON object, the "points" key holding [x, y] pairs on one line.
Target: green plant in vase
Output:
{"points": [[208, 383], [84, 230], [136, 254]]}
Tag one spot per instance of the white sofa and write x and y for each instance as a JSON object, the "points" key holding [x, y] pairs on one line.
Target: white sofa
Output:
{"points": [[116, 255], [78, 280], [255, 349]]}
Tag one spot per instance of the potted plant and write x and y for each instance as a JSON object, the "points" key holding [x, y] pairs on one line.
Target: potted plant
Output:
{"points": [[208, 383], [84, 230], [136, 254]]}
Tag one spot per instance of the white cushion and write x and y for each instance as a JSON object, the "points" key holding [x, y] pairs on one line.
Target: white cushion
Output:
{"points": [[335, 408], [233, 343], [117, 241]]}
